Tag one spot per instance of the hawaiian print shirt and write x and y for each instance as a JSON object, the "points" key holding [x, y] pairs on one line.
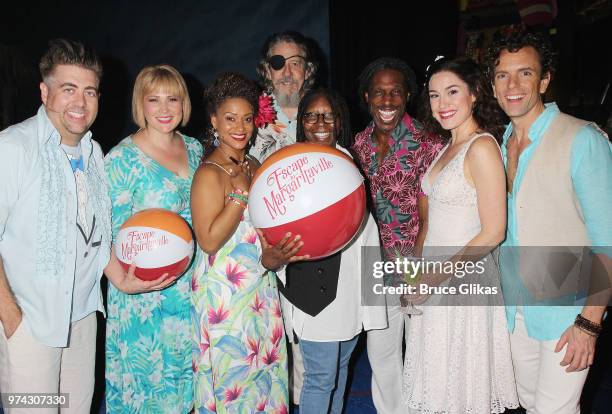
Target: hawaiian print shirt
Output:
{"points": [[395, 184], [274, 136]]}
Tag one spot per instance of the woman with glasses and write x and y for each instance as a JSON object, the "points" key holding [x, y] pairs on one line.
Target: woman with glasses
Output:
{"points": [[322, 299]]}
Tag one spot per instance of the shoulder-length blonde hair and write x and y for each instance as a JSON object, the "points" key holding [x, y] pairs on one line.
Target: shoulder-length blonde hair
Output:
{"points": [[164, 77]]}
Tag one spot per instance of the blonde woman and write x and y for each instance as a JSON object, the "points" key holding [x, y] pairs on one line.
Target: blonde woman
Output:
{"points": [[148, 348]]}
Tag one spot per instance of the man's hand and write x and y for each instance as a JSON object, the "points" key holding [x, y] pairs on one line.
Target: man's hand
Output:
{"points": [[127, 282], [580, 349]]}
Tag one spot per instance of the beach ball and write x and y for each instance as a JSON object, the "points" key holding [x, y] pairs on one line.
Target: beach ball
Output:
{"points": [[312, 190], [159, 241]]}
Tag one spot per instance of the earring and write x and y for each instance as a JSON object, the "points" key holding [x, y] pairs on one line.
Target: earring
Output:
{"points": [[216, 140]]}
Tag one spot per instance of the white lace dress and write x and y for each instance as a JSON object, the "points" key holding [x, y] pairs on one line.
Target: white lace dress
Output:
{"points": [[457, 357]]}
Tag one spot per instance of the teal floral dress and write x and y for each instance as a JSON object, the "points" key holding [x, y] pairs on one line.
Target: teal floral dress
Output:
{"points": [[240, 354], [148, 336]]}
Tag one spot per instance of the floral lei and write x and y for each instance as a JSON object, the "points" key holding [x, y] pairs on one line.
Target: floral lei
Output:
{"points": [[266, 114]]}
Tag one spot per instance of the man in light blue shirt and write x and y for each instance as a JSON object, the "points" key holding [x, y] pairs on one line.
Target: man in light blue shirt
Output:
{"points": [[559, 172], [55, 236]]}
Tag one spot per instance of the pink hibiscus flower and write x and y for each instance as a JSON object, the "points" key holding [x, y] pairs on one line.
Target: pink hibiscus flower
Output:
{"points": [[212, 406], [277, 310], [258, 305], [217, 315], [232, 393], [254, 347], [277, 334], [271, 356], [266, 114], [395, 185], [234, 274], [386, 235], [281, 410], [261, 406], [205, 344]]}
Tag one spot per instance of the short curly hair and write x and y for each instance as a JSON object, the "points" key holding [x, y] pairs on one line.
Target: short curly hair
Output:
{"points": [[230, 85], [486, 111], [339, 107], [365, 78], [516, 40]]}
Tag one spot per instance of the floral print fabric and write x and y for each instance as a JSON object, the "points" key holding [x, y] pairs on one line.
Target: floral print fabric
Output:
{"points": [[395, 182], [148, 336], [278, 132], [240, 355]]}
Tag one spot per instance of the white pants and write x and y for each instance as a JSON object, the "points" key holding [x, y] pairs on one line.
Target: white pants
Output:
{"points": [[296, 374], [385, 354], [543, 385], [27, 366]]}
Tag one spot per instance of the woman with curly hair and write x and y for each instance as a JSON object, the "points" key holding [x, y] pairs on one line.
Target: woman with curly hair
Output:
{"points": [[458, 351], [239, 355]]}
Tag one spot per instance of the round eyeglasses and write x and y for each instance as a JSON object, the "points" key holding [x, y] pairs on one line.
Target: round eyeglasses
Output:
{"points": [[277, 62], [313, 117]]}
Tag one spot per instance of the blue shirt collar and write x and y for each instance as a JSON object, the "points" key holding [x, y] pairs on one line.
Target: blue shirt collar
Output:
{"points": [[537, 129], [47, 133]]}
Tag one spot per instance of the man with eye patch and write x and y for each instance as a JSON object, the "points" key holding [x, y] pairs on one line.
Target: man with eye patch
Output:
{"points": [[287, 70]]}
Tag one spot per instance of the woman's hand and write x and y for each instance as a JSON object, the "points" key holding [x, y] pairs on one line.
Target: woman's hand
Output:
{"points": [[127, 282], [284, 252], [240, 176]]}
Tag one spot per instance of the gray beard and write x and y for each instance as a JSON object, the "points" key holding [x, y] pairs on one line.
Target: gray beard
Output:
{"points": [[288, 100]]}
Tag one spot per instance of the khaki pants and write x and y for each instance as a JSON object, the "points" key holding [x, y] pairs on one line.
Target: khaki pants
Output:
{"points": [[27, 366]]}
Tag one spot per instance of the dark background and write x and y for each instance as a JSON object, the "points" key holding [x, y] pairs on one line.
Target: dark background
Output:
{"points": [[202, 38]]}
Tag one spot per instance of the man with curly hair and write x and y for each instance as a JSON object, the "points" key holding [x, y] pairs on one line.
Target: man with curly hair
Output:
{"points": [[559, 177], [288, 70]]}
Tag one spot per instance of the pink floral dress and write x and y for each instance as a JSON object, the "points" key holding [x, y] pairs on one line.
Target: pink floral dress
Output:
{"points": [[395, 183]]}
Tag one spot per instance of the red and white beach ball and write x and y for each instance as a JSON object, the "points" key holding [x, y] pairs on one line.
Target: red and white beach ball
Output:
{"points": [[312, 190], [159, 241]]}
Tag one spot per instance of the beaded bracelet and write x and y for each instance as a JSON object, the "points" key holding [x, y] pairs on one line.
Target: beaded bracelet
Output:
{"points": [[238, 203], [587, 326], [238, 196]]}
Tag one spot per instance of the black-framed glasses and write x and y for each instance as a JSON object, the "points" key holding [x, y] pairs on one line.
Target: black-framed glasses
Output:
{"points": [[313, 117], [277, 62]]}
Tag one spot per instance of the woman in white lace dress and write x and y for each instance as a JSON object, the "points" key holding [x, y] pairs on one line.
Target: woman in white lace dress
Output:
{"points": [[458, 350]]}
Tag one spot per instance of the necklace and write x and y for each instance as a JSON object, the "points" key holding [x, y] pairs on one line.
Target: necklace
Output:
{"points": [[244, 162]]}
